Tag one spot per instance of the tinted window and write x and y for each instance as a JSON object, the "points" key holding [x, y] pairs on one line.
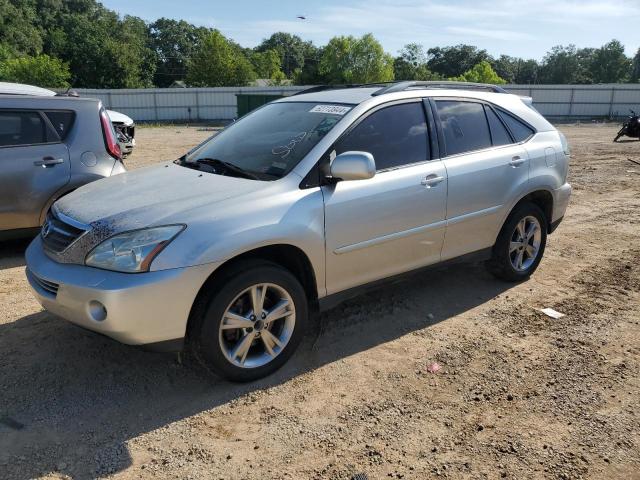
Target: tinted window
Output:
{"points": [[499, 134], [267, 143], [519, 130], [21, 128], [62, 121], [464, 125], [395, 136]]}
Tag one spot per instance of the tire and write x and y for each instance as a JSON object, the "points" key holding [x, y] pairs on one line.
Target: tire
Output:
{"points": [[621, 132], [228, 302], [512, 262]]}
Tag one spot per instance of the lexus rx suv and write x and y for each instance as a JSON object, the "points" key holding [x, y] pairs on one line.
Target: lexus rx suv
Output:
{"points": [[229, 250]]}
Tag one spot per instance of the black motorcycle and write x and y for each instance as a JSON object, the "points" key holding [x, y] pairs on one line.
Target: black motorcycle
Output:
{"points": [[630, 128]]}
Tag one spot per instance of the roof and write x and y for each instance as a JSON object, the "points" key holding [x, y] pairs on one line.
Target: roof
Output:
{"points": [[352, 96], [9, 88], [356, 94]]}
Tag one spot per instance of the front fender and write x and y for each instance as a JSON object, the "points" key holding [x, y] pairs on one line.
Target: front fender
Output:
{"points": [[295, 218]]}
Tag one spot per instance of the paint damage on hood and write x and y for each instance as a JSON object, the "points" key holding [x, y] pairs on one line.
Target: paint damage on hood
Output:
{"points": [[159, 195]]}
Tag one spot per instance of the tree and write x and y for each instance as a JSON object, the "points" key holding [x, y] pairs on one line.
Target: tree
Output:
{"points": [[454, 61], [516, 70], [411, 64], [565, 65], [267, 64], [173, 43], [42, 71], [131, 54], [218, 63], [481, 73], [609, 64], [18, 30], [291, 48], [635, 71], [356, 60], [310, 74]]}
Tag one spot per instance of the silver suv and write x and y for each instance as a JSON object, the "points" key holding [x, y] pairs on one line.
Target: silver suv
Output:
{"points": [[50, 146], [230, 249]]}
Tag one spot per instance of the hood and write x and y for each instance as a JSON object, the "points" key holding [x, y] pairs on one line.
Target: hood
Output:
{"points": [[156, 195], [120, 118]]}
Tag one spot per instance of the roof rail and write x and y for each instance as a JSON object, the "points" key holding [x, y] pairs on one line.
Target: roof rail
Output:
{"points": [[321, 88], [402, 86]]}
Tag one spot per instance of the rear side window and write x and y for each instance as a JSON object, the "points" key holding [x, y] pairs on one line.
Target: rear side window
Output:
{"points": [[464, 125], [21, 128], [518, 129], [62, 121], [395, 136], [499, 134]]}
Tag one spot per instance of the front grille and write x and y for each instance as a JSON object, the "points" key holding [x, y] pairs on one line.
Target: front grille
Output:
{"points": [[46, 285], [57, 234]]}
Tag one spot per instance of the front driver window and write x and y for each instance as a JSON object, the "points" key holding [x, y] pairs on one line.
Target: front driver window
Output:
{"points": [[395, 136]]}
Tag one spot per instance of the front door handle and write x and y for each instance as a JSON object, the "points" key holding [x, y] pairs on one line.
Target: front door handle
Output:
{"points": [[516, 161], [431, 180], [48, 162]]}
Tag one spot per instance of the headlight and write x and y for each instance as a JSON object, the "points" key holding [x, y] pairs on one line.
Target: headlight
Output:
{"points": [[133, 251]]}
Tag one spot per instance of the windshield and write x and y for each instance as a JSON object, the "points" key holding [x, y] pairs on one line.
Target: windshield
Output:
{"points": [[268, 143]]}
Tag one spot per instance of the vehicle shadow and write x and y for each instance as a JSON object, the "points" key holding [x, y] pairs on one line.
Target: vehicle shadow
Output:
{"points": [[70, 399], [12, 252]]}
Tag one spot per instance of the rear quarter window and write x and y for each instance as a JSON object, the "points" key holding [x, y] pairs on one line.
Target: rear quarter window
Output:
{"points": [[499, 133], [519, 130], [62, 121]]}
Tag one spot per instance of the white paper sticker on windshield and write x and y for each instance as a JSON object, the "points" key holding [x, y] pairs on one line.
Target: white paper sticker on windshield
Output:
{"points": [[331, 109]]}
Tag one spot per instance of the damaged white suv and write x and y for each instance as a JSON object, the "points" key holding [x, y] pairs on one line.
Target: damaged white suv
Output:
{"points": [[230, 249]]}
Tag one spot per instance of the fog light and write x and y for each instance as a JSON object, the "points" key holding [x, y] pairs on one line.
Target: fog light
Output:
{"points": [[97, 310]]}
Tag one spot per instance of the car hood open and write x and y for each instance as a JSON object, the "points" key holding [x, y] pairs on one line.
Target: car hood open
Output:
{"points": [[151, 196]]}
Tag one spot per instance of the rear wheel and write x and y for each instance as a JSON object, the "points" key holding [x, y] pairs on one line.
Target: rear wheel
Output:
{"points": [[251, 323], [520, 244], [621, 132]]}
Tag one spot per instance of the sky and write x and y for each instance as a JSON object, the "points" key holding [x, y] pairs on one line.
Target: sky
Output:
{"points": [[513, 27]]}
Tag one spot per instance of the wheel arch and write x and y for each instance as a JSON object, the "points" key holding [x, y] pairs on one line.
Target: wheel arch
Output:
{"points": [[541, 197], [288, 256]]}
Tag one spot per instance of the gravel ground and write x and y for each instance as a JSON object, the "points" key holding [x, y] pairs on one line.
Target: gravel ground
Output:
{"points": [[519, 395]]}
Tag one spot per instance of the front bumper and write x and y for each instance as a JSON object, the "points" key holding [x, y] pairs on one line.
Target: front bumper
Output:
{"points": [[136, 309]]}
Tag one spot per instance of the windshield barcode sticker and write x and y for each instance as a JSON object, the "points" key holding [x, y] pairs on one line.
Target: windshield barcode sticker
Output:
{"points": [[331, 109]]}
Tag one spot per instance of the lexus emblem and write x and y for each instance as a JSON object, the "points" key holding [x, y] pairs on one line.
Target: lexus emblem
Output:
{"points": [[46, 229]]}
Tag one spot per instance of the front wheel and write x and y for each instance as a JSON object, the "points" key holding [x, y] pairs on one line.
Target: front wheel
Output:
{"points": [[520, 244], [251, 323]]}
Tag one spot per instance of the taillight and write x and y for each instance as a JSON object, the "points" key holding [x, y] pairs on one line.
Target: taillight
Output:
{"points": [[110, 140]]}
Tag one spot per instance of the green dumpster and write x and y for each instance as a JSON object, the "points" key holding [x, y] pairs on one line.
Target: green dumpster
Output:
{"points": [[250, 101]]}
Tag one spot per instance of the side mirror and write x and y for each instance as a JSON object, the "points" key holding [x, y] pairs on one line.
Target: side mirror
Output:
{"points": [[353, 166]]}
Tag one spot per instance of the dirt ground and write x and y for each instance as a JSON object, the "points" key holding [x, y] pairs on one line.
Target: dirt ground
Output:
{"points": [[520, 395]]}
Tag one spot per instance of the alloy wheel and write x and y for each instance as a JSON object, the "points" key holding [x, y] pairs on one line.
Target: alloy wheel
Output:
{"points": [[257, 325], [525, 243]]}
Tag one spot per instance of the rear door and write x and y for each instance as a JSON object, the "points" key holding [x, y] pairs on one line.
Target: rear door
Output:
{"points": [[34, 165], [487, 168], [393, 222]]}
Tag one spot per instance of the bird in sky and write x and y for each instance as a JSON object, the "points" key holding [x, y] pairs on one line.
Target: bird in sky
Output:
{"points": [[302, 17]]}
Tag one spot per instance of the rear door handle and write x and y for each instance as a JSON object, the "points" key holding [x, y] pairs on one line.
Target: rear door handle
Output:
{"points": [[48, 162], [431, 180], [517, 161]]}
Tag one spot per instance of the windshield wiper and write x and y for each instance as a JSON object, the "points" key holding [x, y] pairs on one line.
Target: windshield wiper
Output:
{"points": [[228, 167]]}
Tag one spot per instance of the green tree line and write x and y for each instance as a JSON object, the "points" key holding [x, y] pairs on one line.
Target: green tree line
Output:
{"points": [[80, 43]]}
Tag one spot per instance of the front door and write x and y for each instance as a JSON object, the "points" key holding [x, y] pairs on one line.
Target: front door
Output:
{"points": [[34, 165], [394, 222]]}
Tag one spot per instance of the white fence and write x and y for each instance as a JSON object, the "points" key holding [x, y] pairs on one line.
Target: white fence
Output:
{"points": [[557, 102]]}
